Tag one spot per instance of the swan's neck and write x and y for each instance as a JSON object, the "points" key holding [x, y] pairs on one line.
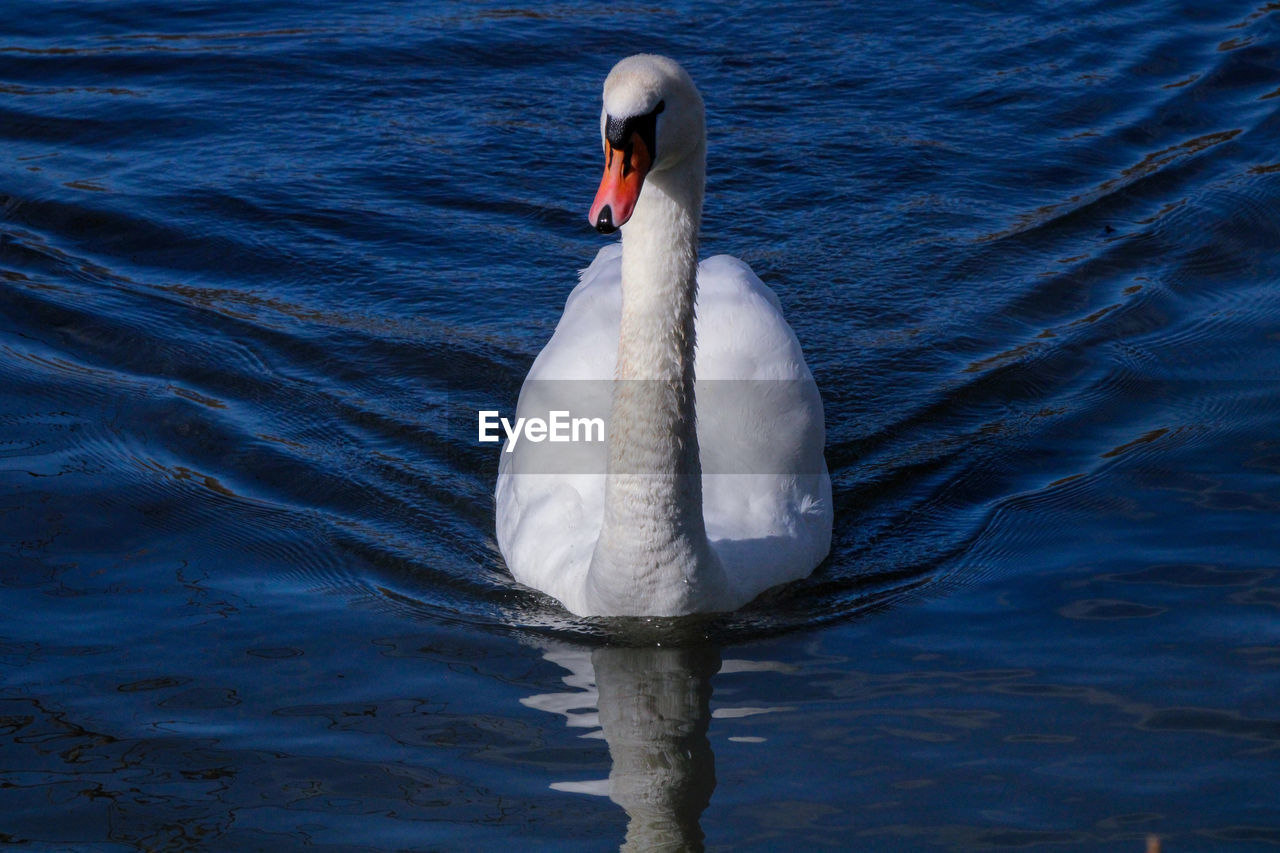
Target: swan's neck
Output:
{"points": [[652, 556]]}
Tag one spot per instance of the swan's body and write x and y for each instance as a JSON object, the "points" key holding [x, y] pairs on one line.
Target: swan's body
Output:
{"points": [[711, 495]]}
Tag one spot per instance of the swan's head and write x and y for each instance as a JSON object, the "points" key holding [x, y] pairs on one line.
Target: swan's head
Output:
{"points": [[652, 119]]}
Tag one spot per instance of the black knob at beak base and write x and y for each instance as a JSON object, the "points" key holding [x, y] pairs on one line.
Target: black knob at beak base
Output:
{"points": [[604, 222]]}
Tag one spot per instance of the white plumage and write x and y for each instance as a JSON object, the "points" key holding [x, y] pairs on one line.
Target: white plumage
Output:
{"points": [[629, 542]]}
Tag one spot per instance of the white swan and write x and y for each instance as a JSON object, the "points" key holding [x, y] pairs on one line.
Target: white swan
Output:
{"points": [[697, 501]]}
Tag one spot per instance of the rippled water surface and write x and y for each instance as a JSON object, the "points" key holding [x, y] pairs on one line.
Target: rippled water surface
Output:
{"points": [[260, 264]]}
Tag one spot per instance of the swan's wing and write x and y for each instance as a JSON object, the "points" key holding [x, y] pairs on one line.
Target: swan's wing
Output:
{"points": [[585, 343], [766, 491], [548, 517]]}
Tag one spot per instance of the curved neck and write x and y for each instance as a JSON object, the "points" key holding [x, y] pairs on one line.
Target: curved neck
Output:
{"points": [[652, 556]]}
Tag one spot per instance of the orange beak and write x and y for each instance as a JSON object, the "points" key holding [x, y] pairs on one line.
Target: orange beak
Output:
{"points": [[624, 172]]}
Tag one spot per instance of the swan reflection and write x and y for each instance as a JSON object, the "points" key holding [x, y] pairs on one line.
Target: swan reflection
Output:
{"points": [[652, 706]]}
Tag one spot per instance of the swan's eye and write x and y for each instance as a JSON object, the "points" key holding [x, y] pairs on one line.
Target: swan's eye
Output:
{"points": [[618, 131]]}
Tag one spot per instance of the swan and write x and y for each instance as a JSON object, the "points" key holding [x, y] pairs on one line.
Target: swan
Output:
{"points": [[699, 497]]}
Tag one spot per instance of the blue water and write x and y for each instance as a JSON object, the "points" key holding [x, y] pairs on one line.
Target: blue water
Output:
{"points": [[260, 264]]}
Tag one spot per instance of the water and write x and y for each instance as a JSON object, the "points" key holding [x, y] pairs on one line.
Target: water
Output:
{"points": [[261, 262]]}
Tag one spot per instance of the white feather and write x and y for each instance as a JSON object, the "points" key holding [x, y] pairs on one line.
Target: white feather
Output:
{"points": [[757, 411]]}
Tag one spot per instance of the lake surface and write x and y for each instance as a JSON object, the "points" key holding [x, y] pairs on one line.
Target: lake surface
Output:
{"points": [[261, 263]]}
